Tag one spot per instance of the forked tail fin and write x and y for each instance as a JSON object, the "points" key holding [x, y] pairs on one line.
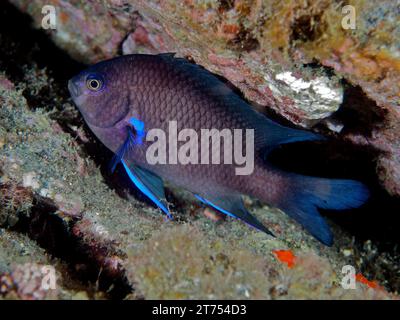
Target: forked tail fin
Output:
{"points": [[307, 194]]}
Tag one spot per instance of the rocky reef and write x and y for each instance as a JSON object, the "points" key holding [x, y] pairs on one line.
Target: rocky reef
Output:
{"points": [[60, 207], [280, 54]]}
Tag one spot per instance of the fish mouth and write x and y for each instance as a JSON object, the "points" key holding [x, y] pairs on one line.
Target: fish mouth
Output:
{"points": [[73, 88]]}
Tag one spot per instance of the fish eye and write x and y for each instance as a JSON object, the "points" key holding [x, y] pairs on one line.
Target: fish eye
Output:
{"points": [[94, 82]]}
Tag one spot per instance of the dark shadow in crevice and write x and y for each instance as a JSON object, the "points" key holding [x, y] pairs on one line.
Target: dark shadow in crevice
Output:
{"points": [[22, 46], [358, 113], [336, 158], [55, 235], [377, 220]]}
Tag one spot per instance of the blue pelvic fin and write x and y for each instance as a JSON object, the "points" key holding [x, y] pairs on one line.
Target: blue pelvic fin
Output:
{"points": [[232, 205], [150, 184], [147, 182]]}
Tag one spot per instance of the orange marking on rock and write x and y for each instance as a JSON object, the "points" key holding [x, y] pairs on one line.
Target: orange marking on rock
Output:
{"points": [[371, 284], [285, 256], [230, 28]]}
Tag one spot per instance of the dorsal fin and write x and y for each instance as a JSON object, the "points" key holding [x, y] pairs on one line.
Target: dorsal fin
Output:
{"points": [[270, 134]]}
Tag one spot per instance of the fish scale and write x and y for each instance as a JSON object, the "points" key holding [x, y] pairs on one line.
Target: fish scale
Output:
{"points": [[150, 91]]}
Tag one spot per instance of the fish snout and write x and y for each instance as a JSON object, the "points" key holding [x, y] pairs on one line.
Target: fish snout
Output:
{"points": [[74, 88]]}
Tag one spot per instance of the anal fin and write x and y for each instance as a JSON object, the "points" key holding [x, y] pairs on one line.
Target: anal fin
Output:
{"points": [[232, 205]]}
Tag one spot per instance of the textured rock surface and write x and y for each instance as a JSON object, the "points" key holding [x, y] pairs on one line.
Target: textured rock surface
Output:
{"points": [[280, 54], [58, 200], [23, 269], [65, 206]]}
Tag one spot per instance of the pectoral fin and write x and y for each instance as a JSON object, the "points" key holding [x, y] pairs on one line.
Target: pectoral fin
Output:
{"points": [[147, 182], [232, 205], [126, 146]]}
